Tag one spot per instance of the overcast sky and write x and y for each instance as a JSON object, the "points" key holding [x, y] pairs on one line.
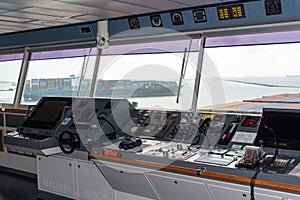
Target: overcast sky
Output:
{"points": [[262, 60]]}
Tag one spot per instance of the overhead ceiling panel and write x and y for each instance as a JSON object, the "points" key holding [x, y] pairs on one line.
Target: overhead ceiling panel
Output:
{"points": [[21, 26], [9, 28], [47, 23], [83, 9], [21, 15], [2, 31], [113, 5], [3, 17], [86, 18], [11, 6], [49, 12], [3, 10], [156, 4], [65, 17], [22, 2], [201, 2], [30, 16], [59, 14]]}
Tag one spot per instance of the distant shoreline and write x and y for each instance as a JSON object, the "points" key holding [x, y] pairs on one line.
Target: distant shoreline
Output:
{"points": [[261, 84]]}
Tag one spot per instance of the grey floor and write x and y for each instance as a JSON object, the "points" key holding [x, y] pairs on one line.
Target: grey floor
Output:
{"points": [[16, 187]]}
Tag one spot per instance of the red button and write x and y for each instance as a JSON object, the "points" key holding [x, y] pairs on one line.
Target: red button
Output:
{"points": [[173, 116]]}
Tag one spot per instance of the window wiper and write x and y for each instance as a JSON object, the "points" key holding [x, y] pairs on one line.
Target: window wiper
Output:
{"points": [[183, 69], [181, 75]]}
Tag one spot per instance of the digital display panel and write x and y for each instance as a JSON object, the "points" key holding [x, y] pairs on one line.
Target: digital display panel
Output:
{"points": [[251, 121], [47, 113], [285, 124], [231, 12]]}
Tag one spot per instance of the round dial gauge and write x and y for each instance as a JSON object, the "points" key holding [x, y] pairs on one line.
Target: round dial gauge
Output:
{"points": [[177, 18], [156, 21]]}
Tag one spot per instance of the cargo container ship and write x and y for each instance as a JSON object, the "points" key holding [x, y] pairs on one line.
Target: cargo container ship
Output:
{"points": [[36, 88]]}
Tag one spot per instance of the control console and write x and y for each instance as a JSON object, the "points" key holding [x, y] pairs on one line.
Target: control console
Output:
{"points": [[38, 131], [93, 125]]}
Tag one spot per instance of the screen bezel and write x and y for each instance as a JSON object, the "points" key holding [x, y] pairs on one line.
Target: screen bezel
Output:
{"points": [[268, 138], [30, 123]]}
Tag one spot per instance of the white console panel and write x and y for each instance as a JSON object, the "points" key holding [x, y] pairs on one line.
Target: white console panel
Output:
{"points": [[126, 196], [217, 190], [173, 188], [220, 193], [18, 162], [57, 175], [78, 179], [91, 185], [128, 179]]}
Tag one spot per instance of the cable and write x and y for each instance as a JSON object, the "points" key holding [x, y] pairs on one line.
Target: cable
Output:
{"points": [[203, 128], [252, 182], [205, 135], [260, 168], [202, 132], [102, 117], [275, 140]]}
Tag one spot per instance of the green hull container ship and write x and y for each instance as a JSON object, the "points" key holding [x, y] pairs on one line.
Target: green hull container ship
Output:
{"points": [[36, 88]]}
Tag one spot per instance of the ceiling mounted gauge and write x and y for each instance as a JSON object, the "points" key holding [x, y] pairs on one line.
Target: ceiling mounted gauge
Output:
{"points": [[273, 7], [156, 21], [199, 15], [231, 12], [134, 23], [177, 18]]}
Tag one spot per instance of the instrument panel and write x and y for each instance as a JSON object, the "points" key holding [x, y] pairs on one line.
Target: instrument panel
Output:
{"points": [[97, 125]]}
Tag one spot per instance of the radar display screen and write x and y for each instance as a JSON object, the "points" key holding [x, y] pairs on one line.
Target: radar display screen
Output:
{"points": [[231, 12], [284, 123], [47, 113]]}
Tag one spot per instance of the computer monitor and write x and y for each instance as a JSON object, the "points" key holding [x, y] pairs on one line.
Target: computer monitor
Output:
{"points": [[47, 113], [286, 126]]}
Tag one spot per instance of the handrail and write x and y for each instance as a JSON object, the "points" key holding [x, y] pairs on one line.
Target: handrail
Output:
{"points": [[14, 111]]}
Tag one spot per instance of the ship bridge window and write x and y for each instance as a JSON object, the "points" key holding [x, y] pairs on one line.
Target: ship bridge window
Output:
{"points": [[248, 72], [10, 65], [55, 73], [149, 73]]}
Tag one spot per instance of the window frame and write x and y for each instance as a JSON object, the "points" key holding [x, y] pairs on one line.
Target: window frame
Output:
{"points": [[261, 31], [165, 38]]}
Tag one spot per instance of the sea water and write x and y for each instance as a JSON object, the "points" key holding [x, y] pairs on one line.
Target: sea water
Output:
{"points": [[252, 87], [7, 92], [229, 92]]}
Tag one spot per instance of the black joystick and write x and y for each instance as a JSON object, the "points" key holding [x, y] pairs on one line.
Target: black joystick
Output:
{"points": [[128, 143]]}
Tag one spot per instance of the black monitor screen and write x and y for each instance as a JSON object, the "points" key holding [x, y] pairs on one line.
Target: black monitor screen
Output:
{"points": [[286, 125], [47, 113]]}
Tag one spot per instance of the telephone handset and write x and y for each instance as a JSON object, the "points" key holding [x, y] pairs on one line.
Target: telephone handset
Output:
{"points": [[202, 129], [204, 125]]}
